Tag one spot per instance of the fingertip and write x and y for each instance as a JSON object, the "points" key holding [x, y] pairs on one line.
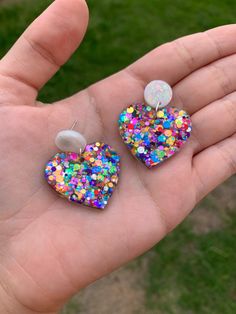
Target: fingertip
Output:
{"points": [[79, 8], [60, 29], [73, 17], [47, 43], [83, 7]]}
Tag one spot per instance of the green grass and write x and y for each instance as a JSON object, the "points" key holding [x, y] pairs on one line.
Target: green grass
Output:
{"points": [[193, 269], [191, 273], [188, 273]]}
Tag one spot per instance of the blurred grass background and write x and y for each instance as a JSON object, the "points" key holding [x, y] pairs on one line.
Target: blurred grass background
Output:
{"points": [[194, 269]]}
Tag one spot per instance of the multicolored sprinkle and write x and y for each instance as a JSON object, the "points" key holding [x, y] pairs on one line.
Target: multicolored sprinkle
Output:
{"points": [[153, 136], [89, 178]]}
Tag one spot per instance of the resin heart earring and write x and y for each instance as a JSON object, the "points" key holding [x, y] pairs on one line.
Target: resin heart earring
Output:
{"points": [[152, 131], [81, 173]]}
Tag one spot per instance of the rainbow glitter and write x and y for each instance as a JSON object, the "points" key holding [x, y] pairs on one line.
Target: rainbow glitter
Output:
{"points": [[153, 136], [88, 179]]}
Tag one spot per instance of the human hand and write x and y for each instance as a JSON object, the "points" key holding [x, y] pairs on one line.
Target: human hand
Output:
{"points": [[49, 249]]}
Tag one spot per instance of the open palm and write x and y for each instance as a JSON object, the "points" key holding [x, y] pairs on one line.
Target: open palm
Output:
{"points": [[49, 248]]}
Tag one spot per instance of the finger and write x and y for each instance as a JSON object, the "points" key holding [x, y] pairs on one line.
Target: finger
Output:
{"points": [[206, 85], [213, 123], [170, 62], [174, 61], [45, 46], [214, 165]]}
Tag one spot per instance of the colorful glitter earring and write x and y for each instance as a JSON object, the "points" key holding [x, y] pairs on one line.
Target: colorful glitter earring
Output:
{"points": [[152, 131], [81, 173]]}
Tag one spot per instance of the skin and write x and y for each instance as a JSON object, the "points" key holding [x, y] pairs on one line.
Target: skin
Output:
{"points": [[49, 249]]}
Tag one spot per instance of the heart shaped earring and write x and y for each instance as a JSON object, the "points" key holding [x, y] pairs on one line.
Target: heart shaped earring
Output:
{"points": [[81, 173], [152, 131]]}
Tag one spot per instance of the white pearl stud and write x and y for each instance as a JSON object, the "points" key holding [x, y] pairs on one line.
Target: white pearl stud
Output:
{"points": [[158, 94], [70, 141]]}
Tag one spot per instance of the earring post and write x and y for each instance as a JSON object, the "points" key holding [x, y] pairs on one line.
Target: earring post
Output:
{"points": [[74, 124], [157, 106]]}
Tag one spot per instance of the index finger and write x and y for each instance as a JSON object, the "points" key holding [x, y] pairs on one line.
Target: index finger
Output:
{"points": [[175, 60], [170, 62]]}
